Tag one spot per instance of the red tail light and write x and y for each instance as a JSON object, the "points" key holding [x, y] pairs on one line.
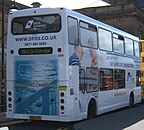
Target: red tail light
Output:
{"points": [[62, 100], [62, 107], [62, 94]]}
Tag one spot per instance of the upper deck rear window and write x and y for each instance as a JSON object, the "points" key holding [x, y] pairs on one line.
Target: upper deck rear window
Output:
{"points": [[36, 24]]}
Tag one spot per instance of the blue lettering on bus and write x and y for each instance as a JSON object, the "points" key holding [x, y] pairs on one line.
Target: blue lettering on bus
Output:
{"points": [[38, 38]]}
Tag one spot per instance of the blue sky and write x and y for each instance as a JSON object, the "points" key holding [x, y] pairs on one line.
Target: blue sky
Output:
{"points": [[70, 4]]}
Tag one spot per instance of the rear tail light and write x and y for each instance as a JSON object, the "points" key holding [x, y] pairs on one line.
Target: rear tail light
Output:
{"points": [[9, 93], [62, 94], [10, 105], [9, 99], [62, 107], [12, 51], [59, 49], [62, 100]]}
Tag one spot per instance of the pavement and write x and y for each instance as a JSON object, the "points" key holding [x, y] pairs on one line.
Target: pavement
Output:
{"points": [[4, 121], [4, 128], [3, 118]]}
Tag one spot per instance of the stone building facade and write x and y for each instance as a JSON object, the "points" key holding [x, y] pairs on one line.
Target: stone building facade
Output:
{"points": [[7, 5], [139, 3], [127, 17]]}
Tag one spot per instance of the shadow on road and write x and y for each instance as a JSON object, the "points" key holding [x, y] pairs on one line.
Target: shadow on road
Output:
{"points": [[123, 119]]}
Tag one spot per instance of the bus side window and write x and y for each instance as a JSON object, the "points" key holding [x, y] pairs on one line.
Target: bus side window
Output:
{"points": [[129, 50], [106, 79], [137, 49], [72, 30], [105, 39], [138, 78], [119, 79], [118, 43], [82, 80], [92, 75], [88, 35]]}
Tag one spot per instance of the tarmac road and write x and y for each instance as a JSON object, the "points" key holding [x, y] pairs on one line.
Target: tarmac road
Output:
{"points": [[123, 119]]}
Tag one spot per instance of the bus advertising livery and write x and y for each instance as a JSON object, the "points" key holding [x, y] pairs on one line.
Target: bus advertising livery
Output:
{"points": [[65, 66]]}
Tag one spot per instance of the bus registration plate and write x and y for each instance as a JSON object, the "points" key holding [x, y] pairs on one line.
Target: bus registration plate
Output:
{"points": [[35, 118]]}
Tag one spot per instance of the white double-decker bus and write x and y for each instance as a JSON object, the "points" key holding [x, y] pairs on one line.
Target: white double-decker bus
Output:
{"points": [[65, 66]]}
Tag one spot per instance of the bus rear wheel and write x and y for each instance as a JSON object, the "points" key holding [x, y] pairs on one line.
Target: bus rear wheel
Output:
{"points": [[91, 109], [131, 100]]}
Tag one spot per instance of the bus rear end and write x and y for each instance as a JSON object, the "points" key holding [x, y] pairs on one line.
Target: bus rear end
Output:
{"points": [[36, 65]]}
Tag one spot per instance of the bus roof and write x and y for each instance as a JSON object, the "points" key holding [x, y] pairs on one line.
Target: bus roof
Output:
{"points": [[103, 25], [34, 11]]}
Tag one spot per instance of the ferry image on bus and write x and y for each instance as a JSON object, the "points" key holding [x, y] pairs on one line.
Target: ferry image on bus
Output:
{"points": [[65, 66]]}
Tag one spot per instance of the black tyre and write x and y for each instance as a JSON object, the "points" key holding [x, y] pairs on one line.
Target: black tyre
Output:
{"points": [[131, 100], [91, 109]]}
